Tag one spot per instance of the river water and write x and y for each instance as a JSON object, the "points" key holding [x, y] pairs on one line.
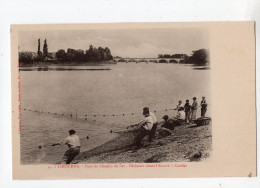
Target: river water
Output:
{"points": [[96, 102]]}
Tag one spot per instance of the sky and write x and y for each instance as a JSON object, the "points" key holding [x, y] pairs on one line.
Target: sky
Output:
{"points": [[122, 42]]}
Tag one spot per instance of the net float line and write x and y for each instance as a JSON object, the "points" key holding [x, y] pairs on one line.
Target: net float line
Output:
{"points": [[91, 116], [94, 115]]}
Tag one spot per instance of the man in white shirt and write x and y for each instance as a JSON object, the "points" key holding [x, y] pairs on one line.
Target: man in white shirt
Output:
{"points": [[148, 127], [181, 114], [155, 123], [74, 146]]}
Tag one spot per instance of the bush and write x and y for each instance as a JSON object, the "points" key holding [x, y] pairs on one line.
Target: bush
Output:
{"points": [[26, 57], [199, 57]]}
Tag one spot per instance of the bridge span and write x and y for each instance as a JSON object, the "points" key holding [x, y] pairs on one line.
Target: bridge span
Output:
{"points": [[148, 60]]}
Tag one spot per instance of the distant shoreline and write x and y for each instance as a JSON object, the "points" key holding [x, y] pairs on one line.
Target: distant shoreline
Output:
{"points": [[60, 63]]}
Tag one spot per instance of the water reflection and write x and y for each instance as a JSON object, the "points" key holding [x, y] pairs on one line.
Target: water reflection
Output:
{"points": [[61, 69], [201, 68]]}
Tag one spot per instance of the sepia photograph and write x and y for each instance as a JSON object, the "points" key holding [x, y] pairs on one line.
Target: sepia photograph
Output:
{"points": [[139, 100], [115, 96]]}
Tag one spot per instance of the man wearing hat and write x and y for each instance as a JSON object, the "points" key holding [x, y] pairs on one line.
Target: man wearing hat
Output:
{"points": [[149, 125], [203, 105], [179, 105], [166, 128], [194, 108], [187, 109], [74, 146]]}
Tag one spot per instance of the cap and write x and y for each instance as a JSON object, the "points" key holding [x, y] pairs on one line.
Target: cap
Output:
{"points": [[72, 131], [187, 100], [165, 117], [194, 98]]}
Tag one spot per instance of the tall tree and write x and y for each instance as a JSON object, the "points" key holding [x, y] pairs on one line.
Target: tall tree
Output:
{"points": [[90, 56], [45, 48], [101, 52], [39, 47]]}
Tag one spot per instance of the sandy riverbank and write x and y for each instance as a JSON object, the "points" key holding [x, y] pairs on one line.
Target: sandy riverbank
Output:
{"points": [[186, 143]]}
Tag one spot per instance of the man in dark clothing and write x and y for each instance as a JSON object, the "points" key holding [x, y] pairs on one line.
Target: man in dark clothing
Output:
{"points": [[203, 105], [187, 109], [166, 127], [167, 124]]}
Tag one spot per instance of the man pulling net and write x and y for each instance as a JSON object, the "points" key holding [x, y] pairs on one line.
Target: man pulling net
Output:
{"points": [[148, 127], [74, 146]]}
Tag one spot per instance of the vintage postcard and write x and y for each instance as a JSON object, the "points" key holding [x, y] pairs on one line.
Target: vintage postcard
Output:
{"points": [[133, 100]]}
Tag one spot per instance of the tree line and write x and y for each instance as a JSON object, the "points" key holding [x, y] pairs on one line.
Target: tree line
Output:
{"points": [[92, 54], [198, 57], [71, 55]]}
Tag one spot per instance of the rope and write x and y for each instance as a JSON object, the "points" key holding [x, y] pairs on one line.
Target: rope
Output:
{"points": [[87, 137]]}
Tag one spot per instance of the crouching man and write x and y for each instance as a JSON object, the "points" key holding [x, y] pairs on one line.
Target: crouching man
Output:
{"points": [[167, 124], [166, 127], [74, 146]]}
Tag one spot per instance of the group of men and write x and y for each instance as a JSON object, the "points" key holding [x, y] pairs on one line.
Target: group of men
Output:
{"points": [[186, 113]]}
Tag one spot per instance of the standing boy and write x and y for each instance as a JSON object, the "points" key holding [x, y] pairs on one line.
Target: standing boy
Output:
{"points": [[203, 105], [194, 108], [187, 109]]}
